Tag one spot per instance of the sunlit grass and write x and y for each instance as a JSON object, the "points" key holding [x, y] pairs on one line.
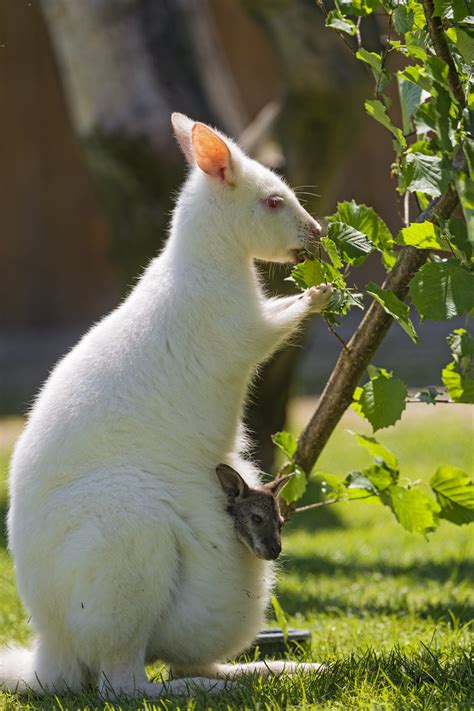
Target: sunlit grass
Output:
{"points": [[389, 613]]}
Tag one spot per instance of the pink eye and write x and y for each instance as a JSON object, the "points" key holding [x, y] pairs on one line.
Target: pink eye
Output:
{"points": [[274, 201]]}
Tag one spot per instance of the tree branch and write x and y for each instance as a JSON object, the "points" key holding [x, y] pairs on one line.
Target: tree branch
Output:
{"points": [[441, 48], [353, 360]]}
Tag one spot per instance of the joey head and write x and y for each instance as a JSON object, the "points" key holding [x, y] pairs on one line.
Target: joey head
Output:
{"points": [[255, 512]]}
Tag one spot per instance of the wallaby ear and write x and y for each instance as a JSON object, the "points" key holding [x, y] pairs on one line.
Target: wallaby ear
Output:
{"points": [[183, 126], [211, 153], [234, 486], [277, 485]]}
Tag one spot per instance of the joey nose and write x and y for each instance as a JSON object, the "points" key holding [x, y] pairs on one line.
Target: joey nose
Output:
{"points": [[274, 550]]}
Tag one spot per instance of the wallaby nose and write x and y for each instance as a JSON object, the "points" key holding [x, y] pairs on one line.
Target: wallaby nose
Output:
{"points": [[274, 550], [315, 229]]}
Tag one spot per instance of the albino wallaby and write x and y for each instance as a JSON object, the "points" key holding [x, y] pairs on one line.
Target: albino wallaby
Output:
{"points": [[123, 548], [255, 511]]}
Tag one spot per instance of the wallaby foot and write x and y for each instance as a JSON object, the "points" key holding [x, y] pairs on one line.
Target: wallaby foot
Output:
{"points": [[319, 296]]}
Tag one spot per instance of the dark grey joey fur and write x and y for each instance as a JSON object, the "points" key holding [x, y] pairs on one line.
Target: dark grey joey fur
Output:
{"points": [[256, 514]]}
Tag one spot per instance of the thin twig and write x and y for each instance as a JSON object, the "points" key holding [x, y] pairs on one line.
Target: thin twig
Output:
{"points": [[319, 504], [335, 333]]}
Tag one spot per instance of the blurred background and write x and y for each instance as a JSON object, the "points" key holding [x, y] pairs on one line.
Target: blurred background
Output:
{"points": [[89, 165]]}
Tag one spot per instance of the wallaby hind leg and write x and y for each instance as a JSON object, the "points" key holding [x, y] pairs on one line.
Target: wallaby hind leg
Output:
{"points": [[122, 677]]}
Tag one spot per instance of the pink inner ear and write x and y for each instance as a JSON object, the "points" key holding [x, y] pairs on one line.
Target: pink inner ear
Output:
{"points": [[211, 153]]}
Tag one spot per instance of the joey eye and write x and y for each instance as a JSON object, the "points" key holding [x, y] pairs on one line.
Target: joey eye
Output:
{"points": [[274, 202], [256, 518]]}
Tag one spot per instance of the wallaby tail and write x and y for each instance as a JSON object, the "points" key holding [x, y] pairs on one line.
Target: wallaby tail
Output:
{"points": [[17, 666], [41, 669]]}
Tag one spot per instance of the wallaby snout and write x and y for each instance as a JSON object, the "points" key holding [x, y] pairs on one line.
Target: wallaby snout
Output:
{"points": [[256, 514]]}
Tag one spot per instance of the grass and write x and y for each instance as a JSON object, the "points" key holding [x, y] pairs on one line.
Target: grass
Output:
{"points": [[389, 613]]}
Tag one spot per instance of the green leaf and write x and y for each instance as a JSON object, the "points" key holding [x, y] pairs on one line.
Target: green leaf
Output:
{"points": [[403, 19], [442, 290], [455, 494], [331, 486], [357, 7], [393, 306], [452, 9], [377, 110], [423, 235], [382, 400], [337, 21], [428, 174], [286, 442], [351, 243], [333, 254], [381, 477], [312, 272], [374, 60], [358, 480], [457, 234], [428, 396], [416, 510], [365, 220], [294, 490], [280, 617], [461, 343], [410, 99], [377, 450], [460, 387]]}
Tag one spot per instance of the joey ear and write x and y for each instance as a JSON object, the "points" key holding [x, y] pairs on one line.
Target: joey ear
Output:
{"points": [[211, 153], [182, 127], [277, 485], [232, 483]]}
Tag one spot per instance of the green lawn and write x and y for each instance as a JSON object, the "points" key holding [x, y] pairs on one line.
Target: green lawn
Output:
{"points": [[388, 611]]}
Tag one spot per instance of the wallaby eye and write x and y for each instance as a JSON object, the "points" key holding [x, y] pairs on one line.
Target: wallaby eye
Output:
{"points": [[256, 518], [274, 202]]}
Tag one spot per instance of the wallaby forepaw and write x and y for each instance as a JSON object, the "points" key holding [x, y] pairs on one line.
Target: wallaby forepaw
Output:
{"points": [[319, 296]]}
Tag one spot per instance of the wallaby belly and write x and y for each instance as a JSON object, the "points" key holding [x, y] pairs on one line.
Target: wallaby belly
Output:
{"points": [[218, 604]]}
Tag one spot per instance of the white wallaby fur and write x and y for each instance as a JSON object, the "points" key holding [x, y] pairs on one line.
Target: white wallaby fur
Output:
{"points": [[123, 548]]}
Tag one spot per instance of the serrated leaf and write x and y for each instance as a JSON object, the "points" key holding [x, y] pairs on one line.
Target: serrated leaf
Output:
{"points": [[456, 10], [455, 494], [393, 306], [377, 450], [428, 174], [457, 235], [312, 272], [382, 400], [410, 98], [351, 243], [331, 486], [380, 476], [365, 220], [357, 7], [442, 290], [403, 19], [461, 343], [337, 21], [423, 235], [428, 396], [416, 510], [294, 490], [377, 110], [460, 387], [358, 480], [286, 442], [333, 254]]}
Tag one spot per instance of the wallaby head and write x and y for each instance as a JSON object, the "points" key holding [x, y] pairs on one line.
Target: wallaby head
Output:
{"points": [[255, 206], [256, 514]]}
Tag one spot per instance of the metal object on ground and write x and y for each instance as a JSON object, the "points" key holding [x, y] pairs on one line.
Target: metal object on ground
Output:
{"points": [[272, 643]]}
